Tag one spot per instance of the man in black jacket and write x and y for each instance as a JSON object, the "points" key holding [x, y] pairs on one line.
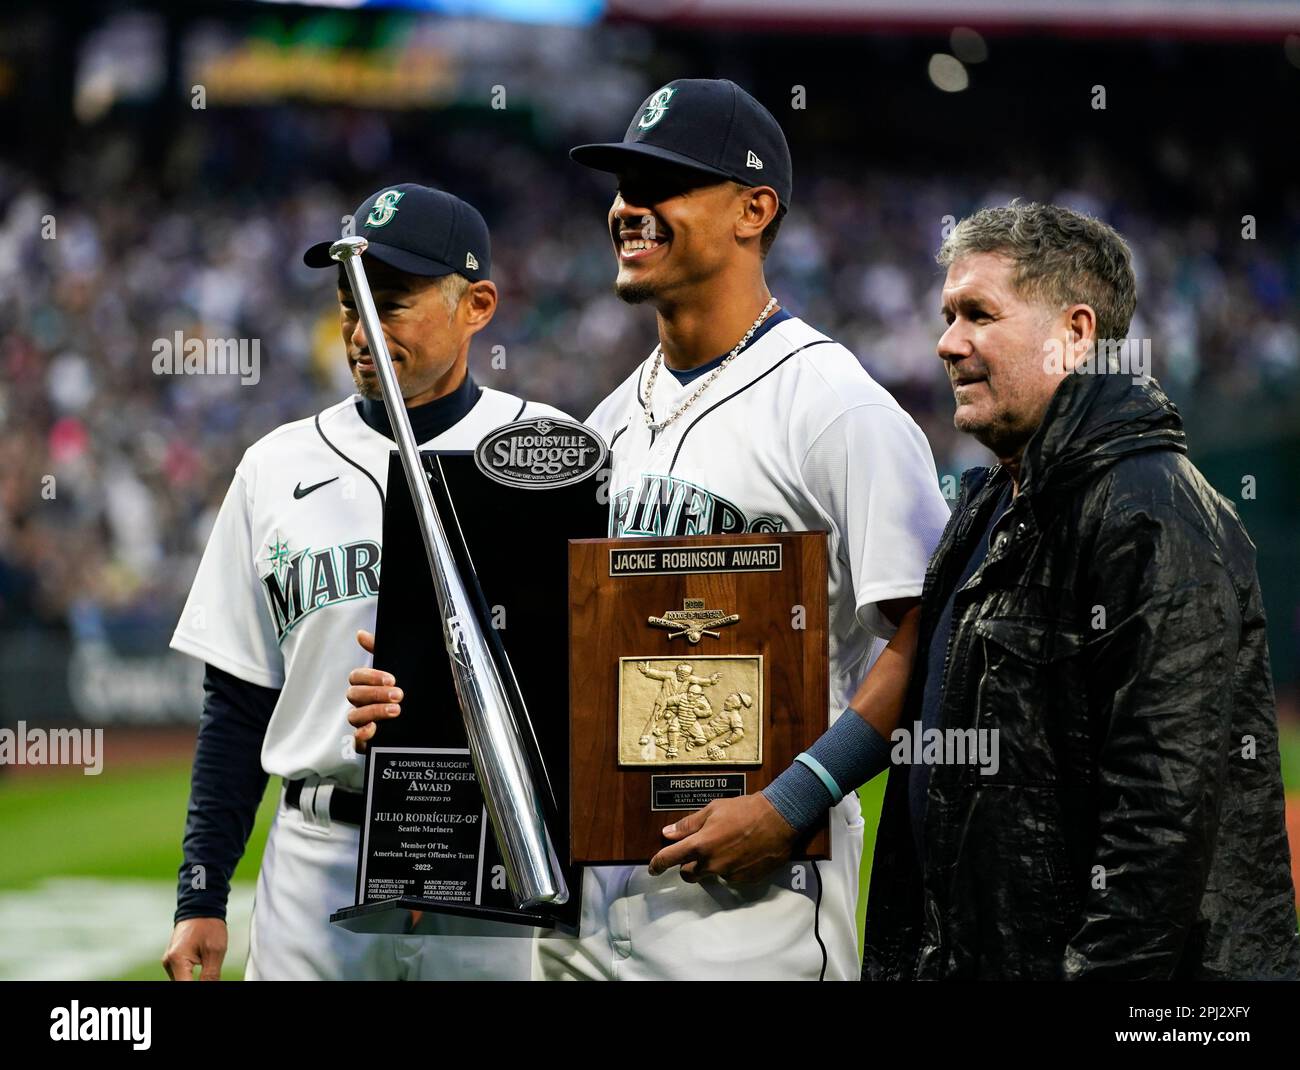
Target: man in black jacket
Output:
{"points": [[1093, 613]]}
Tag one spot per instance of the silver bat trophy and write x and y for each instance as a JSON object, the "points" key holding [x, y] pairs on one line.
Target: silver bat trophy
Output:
{"points": [[495, 742]]}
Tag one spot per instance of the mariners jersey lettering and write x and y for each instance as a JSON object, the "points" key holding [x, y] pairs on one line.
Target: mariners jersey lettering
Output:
{"points": [[662, 505], [292, 570], [312, 579]]}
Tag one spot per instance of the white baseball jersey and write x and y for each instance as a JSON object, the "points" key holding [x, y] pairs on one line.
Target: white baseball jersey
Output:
{"points": [[793, 435], [290, 573]]}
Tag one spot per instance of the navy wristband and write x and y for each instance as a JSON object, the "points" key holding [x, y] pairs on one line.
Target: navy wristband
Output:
{"points": [[847, 755], [799, 797]]}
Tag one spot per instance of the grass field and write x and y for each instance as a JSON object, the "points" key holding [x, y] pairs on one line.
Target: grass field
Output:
{"points": [[88, 868], [88, 871]]}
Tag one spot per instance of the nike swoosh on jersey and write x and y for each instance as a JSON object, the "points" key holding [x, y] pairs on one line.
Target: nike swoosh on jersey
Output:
{"points": [[301, 492]]}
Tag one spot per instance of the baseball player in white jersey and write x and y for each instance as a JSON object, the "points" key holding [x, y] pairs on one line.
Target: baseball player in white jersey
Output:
{"points": [[746, 419], [289, 577]]}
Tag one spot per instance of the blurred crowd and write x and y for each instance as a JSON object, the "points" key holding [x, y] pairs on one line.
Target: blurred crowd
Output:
{"points": [[112, 474]]}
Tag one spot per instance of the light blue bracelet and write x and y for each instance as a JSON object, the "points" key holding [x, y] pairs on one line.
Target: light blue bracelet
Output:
{"points": [[837, 793]]}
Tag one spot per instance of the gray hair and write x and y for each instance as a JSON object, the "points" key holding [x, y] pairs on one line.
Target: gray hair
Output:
{"points": [[452, 287], [1062, 257]]}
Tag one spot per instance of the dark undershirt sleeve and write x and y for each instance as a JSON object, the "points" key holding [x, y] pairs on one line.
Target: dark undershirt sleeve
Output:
{"points": [[226, 788]]}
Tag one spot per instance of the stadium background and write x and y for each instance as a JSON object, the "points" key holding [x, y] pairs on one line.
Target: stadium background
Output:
{"points": [[170, 216]]}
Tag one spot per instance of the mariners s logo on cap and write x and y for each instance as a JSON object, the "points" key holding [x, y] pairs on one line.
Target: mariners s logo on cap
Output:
{"points": [[720, 132], [385, 207], [656, 107]]}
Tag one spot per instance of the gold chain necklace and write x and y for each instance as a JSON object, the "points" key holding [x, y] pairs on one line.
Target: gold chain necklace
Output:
{"points": [[659, 359]]}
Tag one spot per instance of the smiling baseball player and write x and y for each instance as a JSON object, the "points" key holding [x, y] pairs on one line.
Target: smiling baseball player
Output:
{"points": [[746, 419], [289, 577]]}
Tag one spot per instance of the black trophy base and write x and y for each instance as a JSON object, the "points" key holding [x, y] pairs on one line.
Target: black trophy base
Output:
{"points": [[409, 916], [426, 844]]}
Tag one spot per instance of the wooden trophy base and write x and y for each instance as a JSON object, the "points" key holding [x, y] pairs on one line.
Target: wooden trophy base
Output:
{"points": [[698, 669]]}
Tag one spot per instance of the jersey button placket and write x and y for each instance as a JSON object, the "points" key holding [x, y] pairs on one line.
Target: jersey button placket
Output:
{"points": [[620, 925]]}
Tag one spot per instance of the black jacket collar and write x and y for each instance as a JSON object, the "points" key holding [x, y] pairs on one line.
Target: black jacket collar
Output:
{"points": [[1092, 420]]}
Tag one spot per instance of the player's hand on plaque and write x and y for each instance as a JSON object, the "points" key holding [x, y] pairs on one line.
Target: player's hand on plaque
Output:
{"points": [[741, 840], [196, 942], [373, 695]]}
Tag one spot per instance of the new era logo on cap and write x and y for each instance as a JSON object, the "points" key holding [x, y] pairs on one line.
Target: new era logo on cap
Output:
{"points": [[753, 161], [470, 262]]}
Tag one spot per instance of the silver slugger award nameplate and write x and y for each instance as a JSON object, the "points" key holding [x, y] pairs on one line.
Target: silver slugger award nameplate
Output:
{"points": [[427, 828]]}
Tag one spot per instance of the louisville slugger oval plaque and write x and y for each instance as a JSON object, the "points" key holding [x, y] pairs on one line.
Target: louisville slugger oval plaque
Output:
{"points": [[539, 454]]}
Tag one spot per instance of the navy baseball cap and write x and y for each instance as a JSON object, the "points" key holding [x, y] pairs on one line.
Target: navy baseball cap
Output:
{"points": [[709, 126], [418, 230]]}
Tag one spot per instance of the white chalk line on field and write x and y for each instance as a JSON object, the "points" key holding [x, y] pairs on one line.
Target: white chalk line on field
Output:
{"points": [[90, 928]]}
